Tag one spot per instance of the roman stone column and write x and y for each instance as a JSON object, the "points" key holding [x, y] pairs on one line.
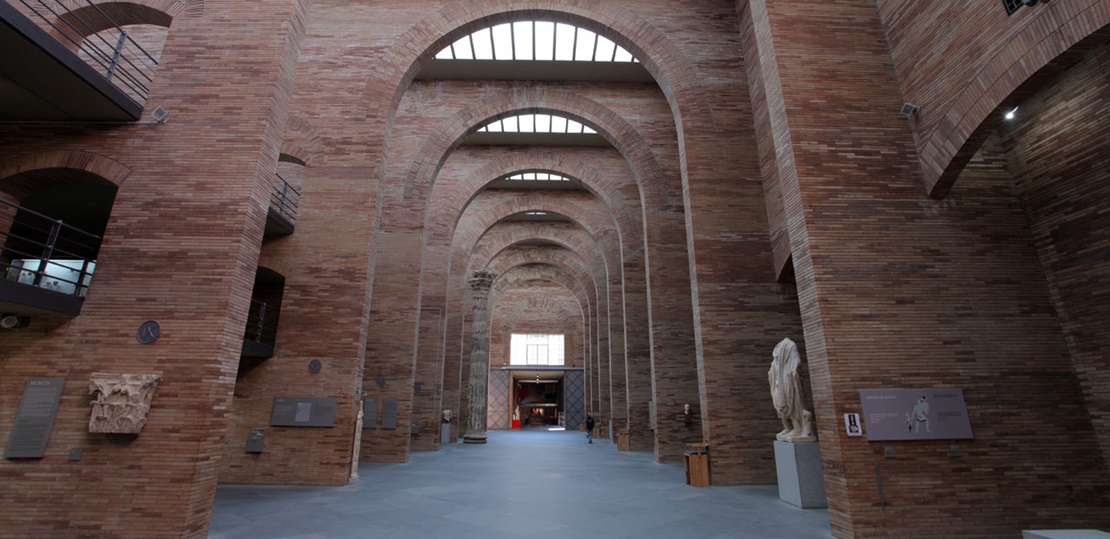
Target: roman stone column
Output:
{"points": [[480, 283]]}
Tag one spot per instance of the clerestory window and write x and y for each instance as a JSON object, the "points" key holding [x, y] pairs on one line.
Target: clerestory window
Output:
{"points": [[536, 40]]}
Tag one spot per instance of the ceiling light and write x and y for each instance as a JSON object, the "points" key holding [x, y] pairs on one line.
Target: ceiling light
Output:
{"points": [[1010, 115]]}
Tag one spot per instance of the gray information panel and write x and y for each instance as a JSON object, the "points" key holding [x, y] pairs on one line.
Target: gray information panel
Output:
{"points": [[389, 413], [35, 418], [303, 412], [370, 413], [915, 414]]}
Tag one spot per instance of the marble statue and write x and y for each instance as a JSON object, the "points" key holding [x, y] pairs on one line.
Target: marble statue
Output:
{"points": [[787, 394], [122, 401]]}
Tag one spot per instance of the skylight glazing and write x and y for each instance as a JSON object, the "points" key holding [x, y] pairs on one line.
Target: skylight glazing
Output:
{"points": [[536, 40], [537, 177], [537, 123]]}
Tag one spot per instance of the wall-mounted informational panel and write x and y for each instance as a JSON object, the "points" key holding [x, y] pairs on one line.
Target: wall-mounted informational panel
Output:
{"points": [[35, 418], [370, 413], [303, 412], [915, 414], [389, 413]]}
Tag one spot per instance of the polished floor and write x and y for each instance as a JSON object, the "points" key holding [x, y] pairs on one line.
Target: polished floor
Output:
{"points": [[535, 484]]}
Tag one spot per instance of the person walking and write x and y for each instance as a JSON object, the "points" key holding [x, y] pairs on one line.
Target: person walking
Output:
{"points": [[590, 428]]}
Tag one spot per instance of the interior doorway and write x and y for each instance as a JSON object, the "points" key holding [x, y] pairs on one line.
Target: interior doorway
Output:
{"points": [[538, 401]]}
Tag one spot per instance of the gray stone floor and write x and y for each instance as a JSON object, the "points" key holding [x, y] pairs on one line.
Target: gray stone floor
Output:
{"points": [[533, 484]]}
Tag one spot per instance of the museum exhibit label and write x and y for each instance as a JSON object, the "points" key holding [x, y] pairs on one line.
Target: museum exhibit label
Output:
{"points": [[915, 414]]}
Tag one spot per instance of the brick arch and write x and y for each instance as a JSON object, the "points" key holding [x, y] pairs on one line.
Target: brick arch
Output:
{"points": [[522, 310], [565, 260], [500, 239], [420, 178], [541, 303], [673, 71], [302, 142], [84, 20], [275, 264], [1026, 63], [521, 274], [105, 167], [603, 187], [593, 222]]}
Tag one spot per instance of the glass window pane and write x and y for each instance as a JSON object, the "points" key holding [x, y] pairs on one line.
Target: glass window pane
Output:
{"points": [[564, 42], [558, 124], [522, 40], [527, 123], [509, 125], [503, 42], [622, 55], [584, 49], [494, 126], [605, 49], [543, 123], [483, 49], [545, 40], [462, 49]]}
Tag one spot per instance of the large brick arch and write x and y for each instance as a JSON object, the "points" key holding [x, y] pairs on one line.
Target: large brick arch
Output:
{"points": [[1028, 61], [673, 71], [567, 262], [513, 314], [521, 274], [505, 236], [604, 187], [593, 222], [419, 180], [104, 167]]}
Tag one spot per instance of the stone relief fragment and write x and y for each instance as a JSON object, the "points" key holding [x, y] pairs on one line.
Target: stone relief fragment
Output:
{"points": [[122, 401]]}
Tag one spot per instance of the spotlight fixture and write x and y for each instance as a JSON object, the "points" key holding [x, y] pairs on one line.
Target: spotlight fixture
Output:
{"points": [[1010, 115], [909, 109], [11, 321], [160, 115], [1029, 2]]}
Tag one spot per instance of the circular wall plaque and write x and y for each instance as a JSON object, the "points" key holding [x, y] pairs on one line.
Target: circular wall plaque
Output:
{"points": [[314, 366], [148, 332]]}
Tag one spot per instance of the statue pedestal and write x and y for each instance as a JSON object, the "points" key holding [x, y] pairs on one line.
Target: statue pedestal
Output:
{"points": [[801, 479]]}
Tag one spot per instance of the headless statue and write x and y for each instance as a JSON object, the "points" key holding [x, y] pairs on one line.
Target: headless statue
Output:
{"points": [[787, 392]]}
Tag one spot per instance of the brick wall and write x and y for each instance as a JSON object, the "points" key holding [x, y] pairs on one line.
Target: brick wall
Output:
{"points": [[1058, 150], [203, 181]]}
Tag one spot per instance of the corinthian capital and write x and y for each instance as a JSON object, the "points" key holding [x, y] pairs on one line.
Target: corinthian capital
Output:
{"points": [[482, 279]]}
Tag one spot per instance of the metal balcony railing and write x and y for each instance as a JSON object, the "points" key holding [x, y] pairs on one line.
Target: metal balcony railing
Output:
{"points": [[44, 252], [261, 323], [111, 51], [284, 199]]}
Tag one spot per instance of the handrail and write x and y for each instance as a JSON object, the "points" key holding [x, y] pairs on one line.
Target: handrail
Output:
{"points": [[39, 260], [261, 323], [125, 63], [284, 198]]}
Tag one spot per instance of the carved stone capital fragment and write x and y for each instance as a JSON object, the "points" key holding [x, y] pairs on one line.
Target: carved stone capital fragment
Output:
{"points": [[122, 401]]}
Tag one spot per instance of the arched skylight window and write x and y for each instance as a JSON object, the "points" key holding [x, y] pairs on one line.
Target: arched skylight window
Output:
{"points": [[536, 123], [537, 177], [536, 40]]}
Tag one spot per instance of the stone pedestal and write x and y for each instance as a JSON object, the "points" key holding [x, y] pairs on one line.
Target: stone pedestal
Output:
{"points": [[801, 479], [444, 434], [1064, 534]]}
